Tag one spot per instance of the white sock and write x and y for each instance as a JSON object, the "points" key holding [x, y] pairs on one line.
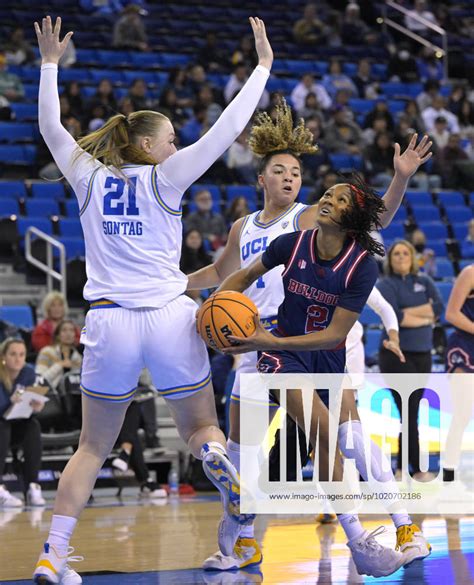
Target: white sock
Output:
{"points": [[351, 525], [61, 531], [233, 452], [401, 519], [212, 446]]}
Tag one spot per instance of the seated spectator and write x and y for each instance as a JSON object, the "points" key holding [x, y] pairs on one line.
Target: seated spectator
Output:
{"points": [[363, 81], [342, 135], [177, 82], [54, 308], [379, 159], [380, 110], [437, 109], [440, 133], [425, 257], [15, 376], [125, 106], [98, 116], [205, 98], [235, 83], [129, 30], [237, 209], [354, 31], [466, 118], [312, 108], [210, 224], [336, 80], [429, 66], [430, 91], [413, 24], [195, 127], [328, 180], [402, 65], [456, 98], [55, 360], [72, 91], [241, 158], [245, 53], [467, 246], [447, 157], [413, 116], [18, 50], [168, 105], [308, 85], [138, 94], [104, 96], [131, 450], [314, 164], [211, 56], [379, 124], [11, 87], [196, 78], [193, 254], [309, 30]]}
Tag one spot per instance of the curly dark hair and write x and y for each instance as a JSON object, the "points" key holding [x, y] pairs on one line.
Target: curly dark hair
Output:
{"points": [[364, 215]]}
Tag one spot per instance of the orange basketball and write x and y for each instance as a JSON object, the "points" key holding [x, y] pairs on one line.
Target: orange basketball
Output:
{"points": [[226, 313]]}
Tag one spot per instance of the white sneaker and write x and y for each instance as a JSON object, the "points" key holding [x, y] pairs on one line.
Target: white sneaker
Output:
{"points": [[53, 567], [246, 553], [412, 544], [152, 490], [373, 559], [34, 496], [7, 500]]}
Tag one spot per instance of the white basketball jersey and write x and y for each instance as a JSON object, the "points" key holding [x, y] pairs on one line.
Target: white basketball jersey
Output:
{"points": [[255, 237], [133, 238]]}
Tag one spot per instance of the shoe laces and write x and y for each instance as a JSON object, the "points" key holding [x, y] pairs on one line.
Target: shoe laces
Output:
{"points": [[370, 541], [73, 559], [405, 534]]}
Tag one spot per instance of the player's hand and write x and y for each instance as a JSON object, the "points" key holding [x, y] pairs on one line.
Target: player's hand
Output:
{"points": [[260, 340], [262, 44], [394, 347], [415, 155], [51, 48]]}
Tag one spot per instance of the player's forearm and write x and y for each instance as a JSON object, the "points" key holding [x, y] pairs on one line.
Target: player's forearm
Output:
{"points": [[326, 339], [238, 281], [206, 277], [393, 198], [460, 321]]}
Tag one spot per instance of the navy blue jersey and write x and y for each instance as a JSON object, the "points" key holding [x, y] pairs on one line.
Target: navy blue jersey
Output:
{"points": [[468, 308], [314, 287]]}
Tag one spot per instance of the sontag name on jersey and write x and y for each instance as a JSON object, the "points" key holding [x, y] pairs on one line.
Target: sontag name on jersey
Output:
{"points": [[122, 228]]}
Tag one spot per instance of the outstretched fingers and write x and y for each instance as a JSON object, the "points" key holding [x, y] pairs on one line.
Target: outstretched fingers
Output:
{"points": [[57, 27]]}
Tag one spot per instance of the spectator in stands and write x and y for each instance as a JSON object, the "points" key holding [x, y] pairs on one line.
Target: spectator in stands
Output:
{"points": [[18, 50], [237, 209], [467, 246], [211, 56], [437, 109], [440, 133], [429, 66], [177, 82], [336, 80], [363, 80], [195, 126], [62, 356], [420, 10], [129, 30], [72, 91], [378, 159], [15, 376], [342, 135], [196, 78], [193, 253], [236, 82], [446, 158], [104, 96], [309, 30], [379, 110], [312, 108], [125, 106], [466, 118], [210, 224], [425, 257], [418, 305], [55, 309], [456, 98], [11, 87], [138, 94], [241, 158], [354, 31], [413, 116], [402, 65], [313, 165], [205, 98], [245, 53], [305, 86], [328, 180], [379, 124], [430, 91], [131, 450], [168, 105]]}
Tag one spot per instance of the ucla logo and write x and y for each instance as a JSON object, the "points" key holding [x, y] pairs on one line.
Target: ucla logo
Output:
{"points": [[256, 246]]}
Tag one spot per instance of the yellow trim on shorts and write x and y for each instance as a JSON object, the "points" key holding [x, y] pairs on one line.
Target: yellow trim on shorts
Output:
{"points": [[107, 396], [186, 389]]}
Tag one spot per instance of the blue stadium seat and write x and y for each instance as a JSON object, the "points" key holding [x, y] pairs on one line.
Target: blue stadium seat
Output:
{"points": [[450, 198], [116, 58], [438, 246], [250, 194], [361, 106], [424, 214], [12, 189], [19, 315], [41, 223], [213, 190], [31, 91], [72, 207], [471, 199], [71, 227], [434, 231], [444, 290], [457, 213], [372, 342], [396, 106], [395, 231], [464, 263], [41, 207], [460, 230], [419, 198], [400, 215], [304, 194], [9, 207], [369, 317], [349, 69], [346, 161], [88, 56], [444, 268], [75, 247], [145, 60], [300, 67], [379, 71], [16, 154], [170, 60], [79, 75], [24, 112], [112, 75], [17, 132], [52, 190]]}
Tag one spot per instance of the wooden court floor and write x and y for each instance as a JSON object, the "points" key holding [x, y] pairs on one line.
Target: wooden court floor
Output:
{"points": [[128, 542]]}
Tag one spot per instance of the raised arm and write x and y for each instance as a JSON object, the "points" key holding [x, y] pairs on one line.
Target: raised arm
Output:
{"points": [[60, 143], [405, 165], [186, 166], [461, 290]]}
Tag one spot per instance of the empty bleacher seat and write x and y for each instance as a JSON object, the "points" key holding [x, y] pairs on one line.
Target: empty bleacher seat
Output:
{"points": [[438, 246], [12, 189], [346, 161], [450, 198], [17, 132], [24, 112], [50, 190], [213, 190], [395, 231], [41, 207], [457, 213], [19, 315], [41, 223], [444, 290], [234, 191], [112, 75], [369, 317], [435, 230], [9, 207], [460, 230], [71, 227], [71, 207], [444, 268], [400, 215], [75, 247], [372, 342], [16, 154], [425, 213], [361, 106], [419, 198]]}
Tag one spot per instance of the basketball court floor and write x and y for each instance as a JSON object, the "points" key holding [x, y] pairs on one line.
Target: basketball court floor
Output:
{"points": [[126, 541]]}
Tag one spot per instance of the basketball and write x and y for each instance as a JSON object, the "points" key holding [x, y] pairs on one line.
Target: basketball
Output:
{"points": [[226, 313]]}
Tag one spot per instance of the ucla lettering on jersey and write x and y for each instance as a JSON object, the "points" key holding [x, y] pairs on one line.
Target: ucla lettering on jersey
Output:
{"points": [[255, 237], [127, 222]]}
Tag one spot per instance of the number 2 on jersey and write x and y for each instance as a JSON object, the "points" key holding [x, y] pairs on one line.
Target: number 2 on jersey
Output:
{"points": [[112, 203], [316, 317]]}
